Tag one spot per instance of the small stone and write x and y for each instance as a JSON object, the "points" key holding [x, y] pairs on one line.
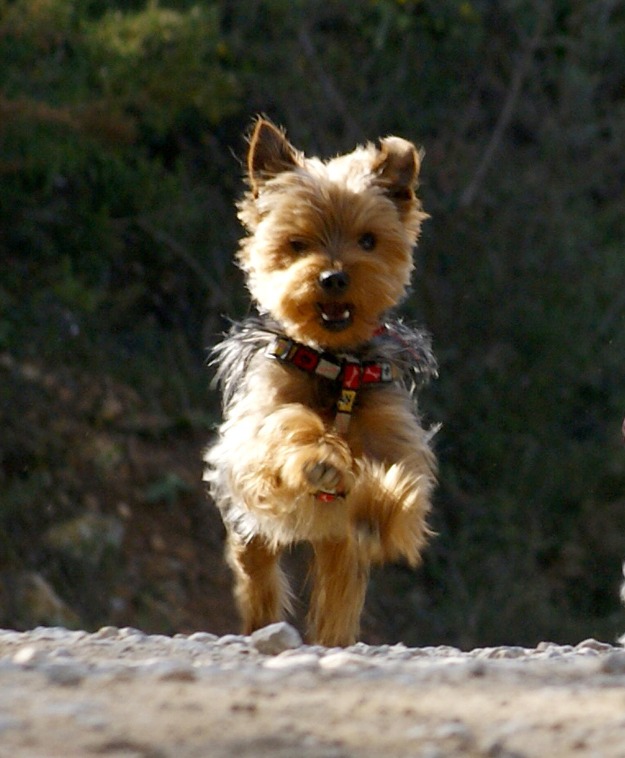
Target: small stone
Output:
{"points": [[551, 652], [203, 637], [417, 732], [506, 652], [8, 635], [360, 648], [457, 731], [419, 652], [62, 652], [185, 645], [432, 751], [613, 663], [93, 722], [66, 708], [231, 639], [498, 750], [65, 674], [118, 672], [399, 654], [106, 632], [8, 722], [340, 660], [592, 644], [544, 646], [29, 655], [588, 652], [446, 650], [158, 639], [477, 668], [275, 638], [129, 631], [172, 671], [300, 662], [54, 633]]}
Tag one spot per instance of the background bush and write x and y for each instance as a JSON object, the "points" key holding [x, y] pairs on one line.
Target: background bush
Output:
{"points": [[120, 124]]}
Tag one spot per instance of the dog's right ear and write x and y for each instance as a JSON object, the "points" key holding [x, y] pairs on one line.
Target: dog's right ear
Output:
{"points": [[269, 154]]}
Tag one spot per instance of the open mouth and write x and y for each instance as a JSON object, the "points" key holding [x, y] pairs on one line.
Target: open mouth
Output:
{"points": [[335, 316]]}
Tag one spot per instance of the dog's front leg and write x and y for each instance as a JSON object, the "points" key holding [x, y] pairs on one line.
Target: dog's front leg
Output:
{"points": [[266, 458], [340, 576], [303, 455], [261, 589]]}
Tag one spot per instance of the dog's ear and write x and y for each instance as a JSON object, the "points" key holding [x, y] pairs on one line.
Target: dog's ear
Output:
{"points": [[269, 154], [396, 168]]}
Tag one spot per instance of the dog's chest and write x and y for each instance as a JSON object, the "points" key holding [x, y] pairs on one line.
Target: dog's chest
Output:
{"points": [[321, 395], [316, 393]]}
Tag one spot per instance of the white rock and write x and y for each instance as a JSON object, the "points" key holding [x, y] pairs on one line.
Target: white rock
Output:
{"points": [[106, 632], [588, 652], [158, 639], [457, 731], [340, 660], [203, 637], [62, 652], [275, 638], [171, 671], [8, 635], [613, 663], [65, 674], [8, 722], [446, 650], [592, 644], [231, 639], [417, 732], [130, 631], [49, 633], [507, 652], [29, 655], [301, 662]]}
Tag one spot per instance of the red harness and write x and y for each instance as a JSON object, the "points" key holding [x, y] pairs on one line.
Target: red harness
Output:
{"points": [[351, 373]]}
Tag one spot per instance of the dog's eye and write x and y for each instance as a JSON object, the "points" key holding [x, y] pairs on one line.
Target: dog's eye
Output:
{"points": [[367, 241], [298, 245]]}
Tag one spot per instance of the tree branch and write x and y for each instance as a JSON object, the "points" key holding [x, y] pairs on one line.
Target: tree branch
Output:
{"points": [[509, 106], [329, 88], [180, 251]]}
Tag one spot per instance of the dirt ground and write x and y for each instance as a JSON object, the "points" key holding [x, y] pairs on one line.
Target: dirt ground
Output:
{"points": [[120, 693], [124, 694]]}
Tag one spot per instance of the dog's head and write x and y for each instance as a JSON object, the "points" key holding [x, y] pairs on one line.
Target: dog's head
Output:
{"points": [[329, 245]]}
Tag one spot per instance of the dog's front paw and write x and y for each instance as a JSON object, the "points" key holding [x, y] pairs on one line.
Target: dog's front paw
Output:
{"points": [[329, 471], [323, 476], [324, 467]]}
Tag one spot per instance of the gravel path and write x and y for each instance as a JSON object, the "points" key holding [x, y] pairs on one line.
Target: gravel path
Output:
{"points": [[119, 692]]}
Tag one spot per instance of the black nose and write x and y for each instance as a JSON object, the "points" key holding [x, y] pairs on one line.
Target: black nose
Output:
{"points": [[334, 282]]}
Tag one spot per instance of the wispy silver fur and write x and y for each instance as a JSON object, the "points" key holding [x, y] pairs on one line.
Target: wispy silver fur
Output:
{"points": [[407, 348]]}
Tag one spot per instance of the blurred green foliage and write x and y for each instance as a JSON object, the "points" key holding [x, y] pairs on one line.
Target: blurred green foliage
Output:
{"points": [[118, 124]]}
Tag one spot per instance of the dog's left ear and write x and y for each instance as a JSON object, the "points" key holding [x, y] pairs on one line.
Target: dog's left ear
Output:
{"points": [[269, 154], [397, 168]]}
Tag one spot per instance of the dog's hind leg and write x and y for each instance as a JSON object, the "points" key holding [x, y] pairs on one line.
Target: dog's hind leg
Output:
{"points": [[261, 589], [340, 575]]}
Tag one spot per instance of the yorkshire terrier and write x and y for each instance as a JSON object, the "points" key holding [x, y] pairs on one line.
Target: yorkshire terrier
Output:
{"points": [[321, 441]]}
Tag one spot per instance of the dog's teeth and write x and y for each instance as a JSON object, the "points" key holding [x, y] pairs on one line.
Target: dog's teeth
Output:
{"points": [[342, 317]]}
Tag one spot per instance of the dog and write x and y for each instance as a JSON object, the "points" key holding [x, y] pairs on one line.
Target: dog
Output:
{"points": [[320, 440]]}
